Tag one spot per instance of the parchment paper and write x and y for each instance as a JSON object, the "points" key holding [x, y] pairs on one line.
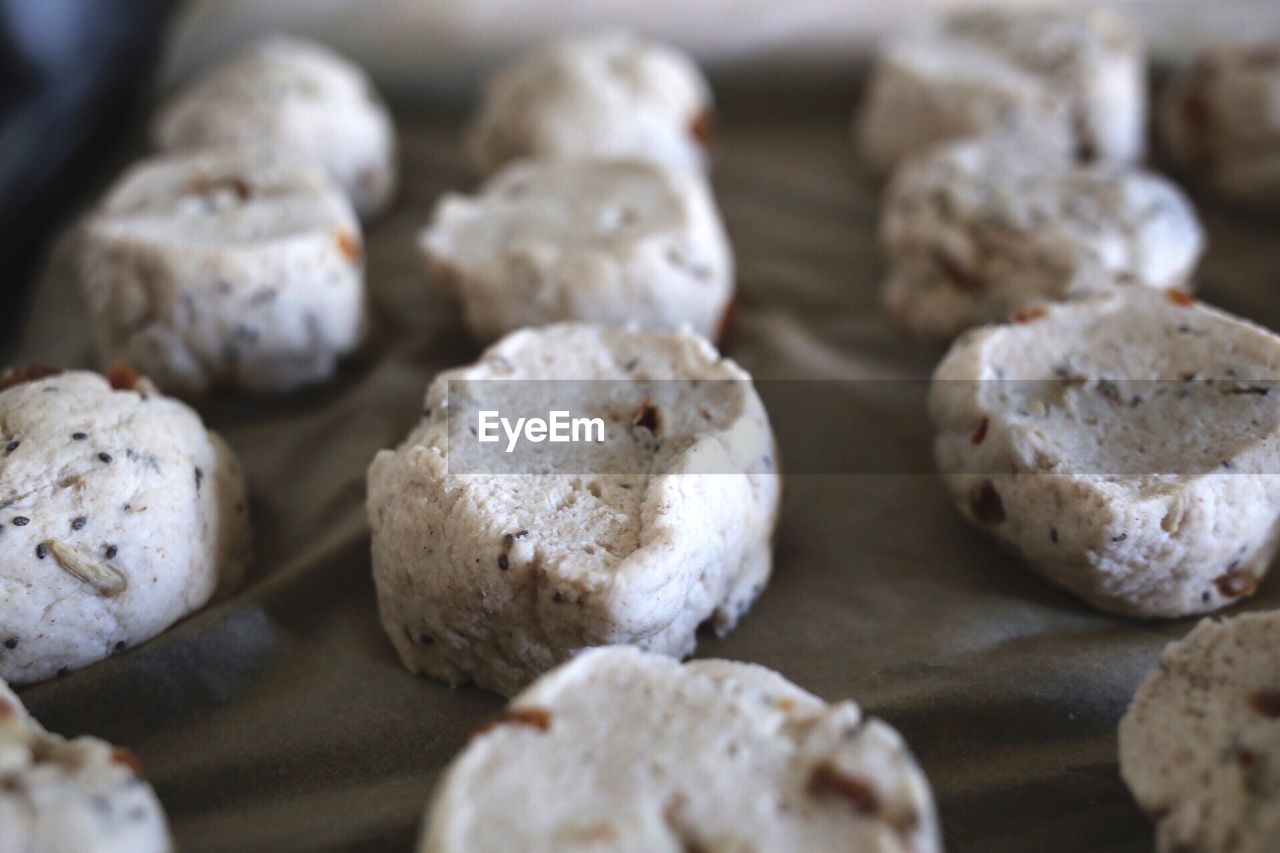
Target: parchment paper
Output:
{"points": [[280, 720]]}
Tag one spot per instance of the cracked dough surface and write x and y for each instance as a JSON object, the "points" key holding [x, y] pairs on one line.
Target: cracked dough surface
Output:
{"points": [[496, 568], [1123, 446]]}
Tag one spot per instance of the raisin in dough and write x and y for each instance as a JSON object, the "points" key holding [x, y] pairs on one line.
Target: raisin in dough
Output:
{"points": [[299, 98], [231, 268], [496, 574], [1077, 76], [1199, 744], [645, 754], [605, 95], [975, 231], [1123, 446], [119, 514], [1221, 125], [607, 241], [71, 796]]}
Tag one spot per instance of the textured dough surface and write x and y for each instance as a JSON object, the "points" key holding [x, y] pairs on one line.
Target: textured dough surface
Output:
{"points": [[1123, 446], [1221, 122], [1200, 744], [71, 796], [232, 268], [606, 241], [627, 751], [976, 231], [119, 514], [297, 97], [1077, 76], [604, 95], [496, 575]]}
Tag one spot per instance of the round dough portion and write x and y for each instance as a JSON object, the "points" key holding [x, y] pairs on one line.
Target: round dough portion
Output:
{"points": [[644, 753], [605, 241], [71, 796], [301, 99], [225, 268], [495, 568], [976, 231], [605, 95], [1221, 125], [119, 514], [1076, 76], [1123, 446], [1200, 744]]}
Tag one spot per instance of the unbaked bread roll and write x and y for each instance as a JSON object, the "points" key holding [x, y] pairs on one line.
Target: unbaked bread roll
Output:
{"points": [[1221, 125], [604, 241], [1076, 75], [119, 514], [604, 95], [71, 796], [493, 567], [1200, 743], [299, 98], [979, 230], [233, 268], [641, 753], [1124, 446]]}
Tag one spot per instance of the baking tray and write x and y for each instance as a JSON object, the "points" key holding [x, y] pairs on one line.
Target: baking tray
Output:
{"points": [[281, 720]]}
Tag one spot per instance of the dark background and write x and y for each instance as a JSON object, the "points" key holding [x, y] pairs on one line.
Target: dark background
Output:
{"points": [[73, 76]]}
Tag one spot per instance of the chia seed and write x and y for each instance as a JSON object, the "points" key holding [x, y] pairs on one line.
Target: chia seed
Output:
{"points": [[21, 521], [40, 551], [105, 457], [111, 551], [78, 522]]}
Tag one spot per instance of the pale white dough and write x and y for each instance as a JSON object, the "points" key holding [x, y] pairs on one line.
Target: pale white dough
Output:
{"points": [[605, 95], [606, 241], [622, 750], [1124, 446], [494, 569]]}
